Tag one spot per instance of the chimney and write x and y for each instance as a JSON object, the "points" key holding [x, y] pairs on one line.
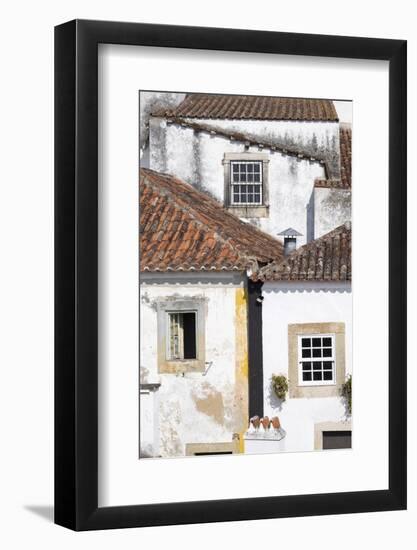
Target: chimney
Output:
{"points": [[290, 240]]}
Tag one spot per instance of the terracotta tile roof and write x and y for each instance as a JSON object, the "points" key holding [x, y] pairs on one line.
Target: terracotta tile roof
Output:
{"points": [[346, 156], [252, 108], [325, 259], [345, 181], [183, 229]]}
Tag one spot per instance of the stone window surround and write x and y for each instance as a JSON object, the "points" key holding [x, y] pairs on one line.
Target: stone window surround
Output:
{"points": [[178, 304], [212, 448], [256, 211], [333, 390], [321, 427]]}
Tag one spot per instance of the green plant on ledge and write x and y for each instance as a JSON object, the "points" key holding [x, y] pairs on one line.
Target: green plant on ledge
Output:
{"points": [[280, 385], [346, 392]]}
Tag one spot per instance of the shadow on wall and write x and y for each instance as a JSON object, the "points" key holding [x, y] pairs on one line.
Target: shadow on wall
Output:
{"points": [[310, 218], [273, 400]]}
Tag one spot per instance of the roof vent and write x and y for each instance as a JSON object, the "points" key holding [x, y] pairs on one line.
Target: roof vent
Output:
{"points": [[290, 239]]}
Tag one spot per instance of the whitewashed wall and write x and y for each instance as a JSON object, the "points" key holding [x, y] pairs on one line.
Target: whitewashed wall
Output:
{"points": [[301, 303], [315, 136], [332, 207], [197, 158], [180, 422]]}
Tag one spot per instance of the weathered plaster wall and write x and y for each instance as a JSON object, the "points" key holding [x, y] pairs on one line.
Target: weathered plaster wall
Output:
{"points": [[197, 158], [313, 137], [197, 407], [285, 304], [332, 207], [149, 102]]}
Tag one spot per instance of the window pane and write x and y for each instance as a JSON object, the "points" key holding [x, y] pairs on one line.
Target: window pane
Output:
{"points": [[306, 366], [317, 365], [306, 352], [328, 375], [306, 342], [316, 342], [327, 341], [317, 376], [316, 352], [306, 376], [246, 173], [175, 333], [327, 352], [327, 364]]}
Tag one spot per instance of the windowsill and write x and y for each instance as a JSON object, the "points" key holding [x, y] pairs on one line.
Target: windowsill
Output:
{"points": [[322, 390], [181, 366], [259, 211]]}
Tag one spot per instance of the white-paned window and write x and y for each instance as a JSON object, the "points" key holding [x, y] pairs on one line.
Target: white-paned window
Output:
{"points": [[316, 359], [246, 183]]}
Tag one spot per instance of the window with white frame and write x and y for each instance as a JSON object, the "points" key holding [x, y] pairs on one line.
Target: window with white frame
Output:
{"points": [[316, 355], [246, 183], [181, 337]]}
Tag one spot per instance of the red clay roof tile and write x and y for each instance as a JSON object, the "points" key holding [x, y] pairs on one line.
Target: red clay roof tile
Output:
{"points": [[183, 229], [325, 259], [252, 108], [345, 181]]}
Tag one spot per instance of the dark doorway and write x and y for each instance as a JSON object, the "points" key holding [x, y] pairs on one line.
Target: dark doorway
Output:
{"points": [[337, 440]]}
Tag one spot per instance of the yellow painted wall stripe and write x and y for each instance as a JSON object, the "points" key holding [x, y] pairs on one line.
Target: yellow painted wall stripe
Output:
{"points": [[241, 363]]}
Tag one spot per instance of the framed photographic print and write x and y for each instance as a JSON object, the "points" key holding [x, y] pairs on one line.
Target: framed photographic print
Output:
{"points": [[230, 275]]}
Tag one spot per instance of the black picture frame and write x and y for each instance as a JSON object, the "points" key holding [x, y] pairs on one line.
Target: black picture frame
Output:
{"points": [[76, 272]]}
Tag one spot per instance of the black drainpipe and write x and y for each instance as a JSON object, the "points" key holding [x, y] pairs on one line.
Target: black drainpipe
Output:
{"points": [[256, 375]]}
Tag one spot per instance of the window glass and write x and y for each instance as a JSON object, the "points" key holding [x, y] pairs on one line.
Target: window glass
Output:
{"points": [[246, 182], [316, 359]]}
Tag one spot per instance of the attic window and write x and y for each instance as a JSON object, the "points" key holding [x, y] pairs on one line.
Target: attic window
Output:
{"points": [[246, 183]]}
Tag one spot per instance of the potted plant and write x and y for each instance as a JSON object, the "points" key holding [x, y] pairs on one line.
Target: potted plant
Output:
{"points": [[279, 385], [346, 392]]}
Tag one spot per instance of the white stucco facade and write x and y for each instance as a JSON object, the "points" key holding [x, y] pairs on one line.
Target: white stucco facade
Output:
{"points": [[295, 303], [331, 208], [195, 407]]}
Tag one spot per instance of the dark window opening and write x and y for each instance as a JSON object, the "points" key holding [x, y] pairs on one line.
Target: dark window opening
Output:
{"points": [[182, 336], [190, 345]]}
